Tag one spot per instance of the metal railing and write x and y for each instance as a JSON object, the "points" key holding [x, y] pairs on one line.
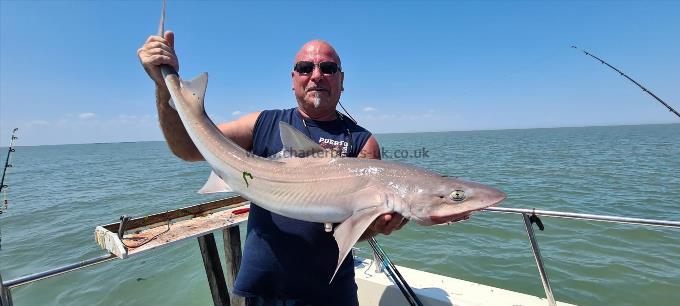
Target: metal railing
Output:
{"points": [[27, 279], [527, 215], [578, 216], [5, 298]]}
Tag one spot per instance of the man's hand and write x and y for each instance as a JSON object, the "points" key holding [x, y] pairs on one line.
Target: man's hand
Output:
{"points": [[158, 51], [385, 224]]}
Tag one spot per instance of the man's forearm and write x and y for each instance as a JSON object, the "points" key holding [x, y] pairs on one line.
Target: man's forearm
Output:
{"points": [[173, 130]]}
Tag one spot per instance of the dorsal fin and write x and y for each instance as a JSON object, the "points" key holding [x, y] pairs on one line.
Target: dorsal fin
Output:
{"points": [[295, 143]]}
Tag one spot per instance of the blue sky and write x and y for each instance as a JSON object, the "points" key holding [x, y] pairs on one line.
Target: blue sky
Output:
{"points": [[69, 71]]}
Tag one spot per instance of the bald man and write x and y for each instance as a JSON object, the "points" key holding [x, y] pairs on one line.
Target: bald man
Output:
{"points": [[285, 261]]}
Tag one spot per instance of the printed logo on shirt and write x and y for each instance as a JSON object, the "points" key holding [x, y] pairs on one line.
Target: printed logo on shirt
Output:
{"points": [[340, 147]]}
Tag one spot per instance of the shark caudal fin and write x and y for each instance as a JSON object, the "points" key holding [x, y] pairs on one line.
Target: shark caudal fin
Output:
{"points": [[191, 93]]}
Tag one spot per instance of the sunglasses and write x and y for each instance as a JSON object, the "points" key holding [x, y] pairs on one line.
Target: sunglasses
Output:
{"points": [[306, 67]]}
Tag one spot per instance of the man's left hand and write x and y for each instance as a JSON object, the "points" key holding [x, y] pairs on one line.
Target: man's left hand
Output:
{"points": [[387, 223]]}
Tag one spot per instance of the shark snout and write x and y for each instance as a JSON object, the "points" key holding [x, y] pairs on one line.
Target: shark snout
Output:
{"points": [[492, 196]]}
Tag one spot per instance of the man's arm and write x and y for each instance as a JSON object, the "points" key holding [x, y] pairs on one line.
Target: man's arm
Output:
{"points": [[239, 131], [158, 51], [173, 130], [387, 223]]}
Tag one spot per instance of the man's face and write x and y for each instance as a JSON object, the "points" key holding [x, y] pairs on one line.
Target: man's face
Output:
{"points": [[316, 90]]}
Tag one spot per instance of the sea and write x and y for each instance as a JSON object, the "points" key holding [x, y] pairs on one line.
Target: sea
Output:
{"points": [[59, 194]]}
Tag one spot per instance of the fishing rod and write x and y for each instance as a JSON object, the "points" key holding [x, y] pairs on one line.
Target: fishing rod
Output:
{"points": [[4, 170], [394, 274], [3, 186], [630, 79]]}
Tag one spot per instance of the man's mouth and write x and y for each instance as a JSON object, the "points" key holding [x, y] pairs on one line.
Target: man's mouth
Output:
{"points": [[317, 89]]}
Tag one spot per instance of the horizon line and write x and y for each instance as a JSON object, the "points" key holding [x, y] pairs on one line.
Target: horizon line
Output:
{"points": [[388, 133]]}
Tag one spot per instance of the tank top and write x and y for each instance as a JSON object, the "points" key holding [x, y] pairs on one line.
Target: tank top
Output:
{"points": [[286, 258]]}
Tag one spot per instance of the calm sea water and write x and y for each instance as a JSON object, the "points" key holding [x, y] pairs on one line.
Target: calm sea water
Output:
{"points": [[60, 193]]}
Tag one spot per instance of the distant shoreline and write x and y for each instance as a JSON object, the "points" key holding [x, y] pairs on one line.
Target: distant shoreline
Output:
{"points": [[2, 148]]}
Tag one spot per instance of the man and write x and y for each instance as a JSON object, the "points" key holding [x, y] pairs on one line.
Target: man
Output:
{"points": [[285, 261]]}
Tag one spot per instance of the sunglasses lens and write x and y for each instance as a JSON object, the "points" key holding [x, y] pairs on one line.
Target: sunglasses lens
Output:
{"points": [[304, 67], [328, 67]]}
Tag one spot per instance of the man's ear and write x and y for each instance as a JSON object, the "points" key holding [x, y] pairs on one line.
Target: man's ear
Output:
{"points": [[292, 80]]}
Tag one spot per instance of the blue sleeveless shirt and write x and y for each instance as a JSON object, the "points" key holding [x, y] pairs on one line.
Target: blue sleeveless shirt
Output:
{"points": [[291, 259]]}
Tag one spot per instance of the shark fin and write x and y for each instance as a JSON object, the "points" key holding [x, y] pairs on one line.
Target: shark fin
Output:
{"points": [[194, 90], [349, 231], [215, 184], [297, 143]]}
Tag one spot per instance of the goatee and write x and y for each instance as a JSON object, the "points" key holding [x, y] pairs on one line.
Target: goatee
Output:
{"points": [[317, 100]]}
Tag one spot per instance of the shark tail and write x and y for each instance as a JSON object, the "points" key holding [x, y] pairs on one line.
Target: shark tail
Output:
{"points": [[193, 91]]}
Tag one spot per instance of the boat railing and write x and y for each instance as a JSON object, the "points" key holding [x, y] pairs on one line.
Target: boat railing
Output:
{"points": [[529, 217]]}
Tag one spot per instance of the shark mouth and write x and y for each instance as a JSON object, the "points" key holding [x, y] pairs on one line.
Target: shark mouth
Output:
{"points": [[450, 218]]}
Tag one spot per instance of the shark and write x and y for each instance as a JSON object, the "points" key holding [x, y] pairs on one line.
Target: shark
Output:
{"points": [[317, 186]]}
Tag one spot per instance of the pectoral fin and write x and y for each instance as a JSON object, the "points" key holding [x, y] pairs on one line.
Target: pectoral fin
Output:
{"points": [[215, 184], [349, 231]]}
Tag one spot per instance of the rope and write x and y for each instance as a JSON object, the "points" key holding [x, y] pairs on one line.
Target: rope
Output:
{"points": [[147, 239]]}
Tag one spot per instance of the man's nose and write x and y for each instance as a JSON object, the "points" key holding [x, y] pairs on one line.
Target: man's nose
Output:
{"points": [[316, 74]]}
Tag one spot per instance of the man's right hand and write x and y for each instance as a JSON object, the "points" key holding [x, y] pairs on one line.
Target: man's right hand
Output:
{"points": [[158, 51]]}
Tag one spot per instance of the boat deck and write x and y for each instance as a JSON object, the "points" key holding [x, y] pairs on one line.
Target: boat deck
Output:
{"points": [[434, 290]]}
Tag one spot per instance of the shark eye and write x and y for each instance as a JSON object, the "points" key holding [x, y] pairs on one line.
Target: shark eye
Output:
{"points": [[457, 195]]}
